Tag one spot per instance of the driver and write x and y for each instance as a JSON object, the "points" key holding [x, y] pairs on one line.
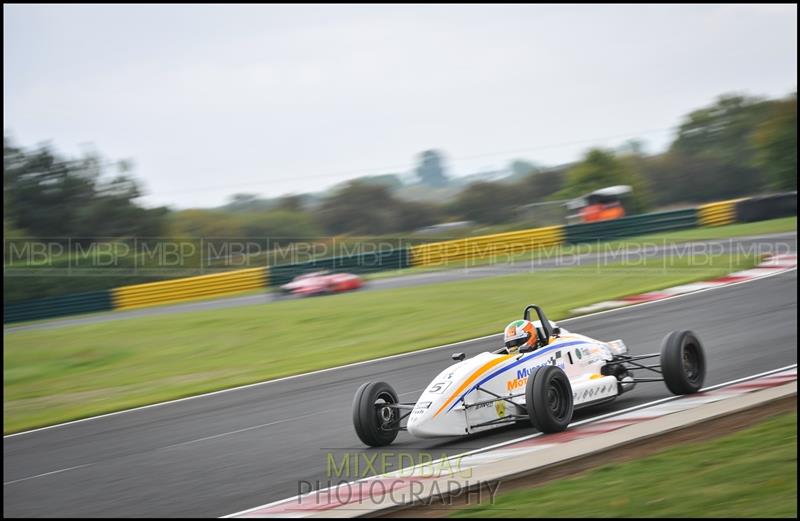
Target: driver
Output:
{"points": [[520, 335]]}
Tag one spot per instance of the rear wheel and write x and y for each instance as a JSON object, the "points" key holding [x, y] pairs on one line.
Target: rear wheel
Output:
{"points": [[683, 363], [375, 421], [548, 397]]}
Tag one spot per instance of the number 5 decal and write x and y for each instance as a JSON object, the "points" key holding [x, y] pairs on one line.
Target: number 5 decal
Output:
{"points": [[439, 387]]}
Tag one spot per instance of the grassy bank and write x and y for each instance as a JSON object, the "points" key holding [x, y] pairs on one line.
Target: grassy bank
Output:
{"points": [[751, 473], [51, 376]]}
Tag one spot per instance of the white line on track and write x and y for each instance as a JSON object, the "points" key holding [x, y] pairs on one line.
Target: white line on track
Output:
{"points": [[525, 438], [46, 474], [182, 443], [237, 431], [391, 357]]}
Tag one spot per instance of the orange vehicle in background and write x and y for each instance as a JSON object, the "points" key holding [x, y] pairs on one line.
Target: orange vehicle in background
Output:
{"points": [[602, 212], [601, 205]]}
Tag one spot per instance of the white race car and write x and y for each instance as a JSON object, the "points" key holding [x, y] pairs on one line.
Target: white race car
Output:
{"points": [[565, 371]]}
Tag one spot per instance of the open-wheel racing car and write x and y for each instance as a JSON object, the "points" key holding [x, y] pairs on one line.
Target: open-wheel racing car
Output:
{"points": [[560, 372]]}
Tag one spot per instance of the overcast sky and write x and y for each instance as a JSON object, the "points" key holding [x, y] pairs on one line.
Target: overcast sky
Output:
{"points": [[210, 100]]}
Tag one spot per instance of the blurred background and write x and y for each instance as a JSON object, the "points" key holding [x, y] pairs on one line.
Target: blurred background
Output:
{"points": [[177, 177], [424, 123]]}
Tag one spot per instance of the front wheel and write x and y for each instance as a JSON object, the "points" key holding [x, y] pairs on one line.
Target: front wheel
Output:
{"points": [[548, 398], [375, 420], [683, 362]]}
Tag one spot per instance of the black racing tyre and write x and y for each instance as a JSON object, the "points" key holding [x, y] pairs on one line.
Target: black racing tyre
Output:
{"points": [[376, 425], [683, 362], [548, 398]]}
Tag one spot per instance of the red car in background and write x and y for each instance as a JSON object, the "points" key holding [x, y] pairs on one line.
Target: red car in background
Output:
{"points": [[322, 283]]}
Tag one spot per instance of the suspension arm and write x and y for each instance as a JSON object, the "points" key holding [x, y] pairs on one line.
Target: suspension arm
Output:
{"points": [[497, 397], [500, 421]]}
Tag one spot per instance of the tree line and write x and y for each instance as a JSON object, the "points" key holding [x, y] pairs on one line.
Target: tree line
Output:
{"points": [[738, 145]]}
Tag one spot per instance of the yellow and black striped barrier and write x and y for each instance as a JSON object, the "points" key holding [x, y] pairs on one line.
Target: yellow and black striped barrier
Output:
{"points": [[179, 290], [717, 214], [499, 244]]}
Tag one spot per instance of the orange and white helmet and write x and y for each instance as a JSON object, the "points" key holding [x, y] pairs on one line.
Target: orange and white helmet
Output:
{"points": [[520, 334]]}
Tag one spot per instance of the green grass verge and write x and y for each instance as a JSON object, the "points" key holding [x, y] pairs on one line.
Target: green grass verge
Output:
{"points": [[785, 224], [50, 376], [751, 473]]}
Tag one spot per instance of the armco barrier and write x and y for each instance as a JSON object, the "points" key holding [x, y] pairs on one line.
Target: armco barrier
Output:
{"points": [[764, 207], [178, 290], [486, 246], [57, 306], [631, 226], [359, 263], [717, 214]]}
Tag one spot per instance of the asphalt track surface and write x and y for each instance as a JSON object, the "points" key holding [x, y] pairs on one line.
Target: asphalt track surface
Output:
{"points": [[223, 453], [560, 257]]}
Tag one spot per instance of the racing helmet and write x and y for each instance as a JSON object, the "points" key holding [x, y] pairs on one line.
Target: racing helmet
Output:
{"points": [[520, 334]]}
